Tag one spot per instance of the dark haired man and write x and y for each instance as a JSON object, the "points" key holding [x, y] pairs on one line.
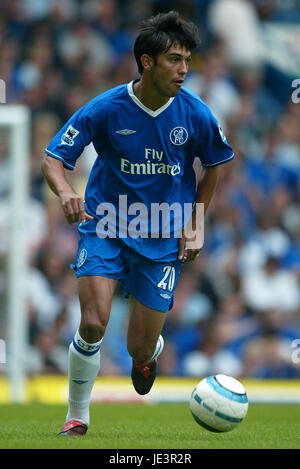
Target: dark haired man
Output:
{"points": [[147, 134]]}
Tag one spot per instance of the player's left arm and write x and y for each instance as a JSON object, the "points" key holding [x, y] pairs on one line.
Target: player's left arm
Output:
{"points": [[213, 151], [205, 190]]}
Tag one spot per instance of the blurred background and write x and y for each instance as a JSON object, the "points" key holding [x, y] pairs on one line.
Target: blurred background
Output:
{"points": [[237, 308]]}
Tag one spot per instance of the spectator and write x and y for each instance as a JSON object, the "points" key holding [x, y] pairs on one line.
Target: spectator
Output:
{"points": [[271, 287], [269, 356], [212, 356], [236, 23], [214, 85]]}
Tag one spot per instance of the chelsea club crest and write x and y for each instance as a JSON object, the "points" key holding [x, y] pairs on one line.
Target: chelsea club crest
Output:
{"points": [[178, 135]]}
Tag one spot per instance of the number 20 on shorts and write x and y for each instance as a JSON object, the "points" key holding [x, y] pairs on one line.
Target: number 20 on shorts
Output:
{"points": [[168, 280]]}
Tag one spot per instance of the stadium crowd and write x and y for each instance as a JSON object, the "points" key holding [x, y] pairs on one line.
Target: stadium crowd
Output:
{"points": [[237, 307]]}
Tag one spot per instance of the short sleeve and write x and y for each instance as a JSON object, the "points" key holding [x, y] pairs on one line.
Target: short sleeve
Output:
{"points": [[69, 143], [213, 147]]}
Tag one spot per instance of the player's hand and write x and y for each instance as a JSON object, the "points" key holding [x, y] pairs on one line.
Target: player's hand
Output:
{"points": [[184, 254], [73, 207]]}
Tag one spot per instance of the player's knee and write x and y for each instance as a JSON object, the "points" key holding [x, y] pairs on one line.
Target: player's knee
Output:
{"points": [[93, 327]]}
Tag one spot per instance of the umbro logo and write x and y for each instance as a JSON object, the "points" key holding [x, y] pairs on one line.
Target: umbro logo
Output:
{"points": [[165, 295], [125, 132]]}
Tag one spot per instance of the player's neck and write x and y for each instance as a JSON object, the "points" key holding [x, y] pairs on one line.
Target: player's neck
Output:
{"points": [[148, 95]]}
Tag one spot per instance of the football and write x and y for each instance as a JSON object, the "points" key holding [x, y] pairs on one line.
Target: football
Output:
{"points": [[219, 403]]}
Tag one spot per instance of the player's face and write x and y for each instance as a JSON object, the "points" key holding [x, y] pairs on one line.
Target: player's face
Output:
{"points": [[170, 69]]}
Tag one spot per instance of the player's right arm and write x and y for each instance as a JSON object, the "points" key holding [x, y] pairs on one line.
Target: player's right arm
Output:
{"points": [[62, 153], [72, 204]]}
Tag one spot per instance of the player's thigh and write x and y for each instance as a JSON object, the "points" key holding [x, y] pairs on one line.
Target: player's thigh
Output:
{"points": [[144, 327], [95, 296]]}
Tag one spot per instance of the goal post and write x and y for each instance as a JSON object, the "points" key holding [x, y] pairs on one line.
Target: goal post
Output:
{"points": [[17, 119]]}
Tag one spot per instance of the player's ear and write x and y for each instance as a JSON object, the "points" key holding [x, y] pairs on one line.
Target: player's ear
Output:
{"points": [[147, 62]]}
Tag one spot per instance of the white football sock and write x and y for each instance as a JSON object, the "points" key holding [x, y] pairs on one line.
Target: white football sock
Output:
{"points": [[159, 348], [84, 366]]}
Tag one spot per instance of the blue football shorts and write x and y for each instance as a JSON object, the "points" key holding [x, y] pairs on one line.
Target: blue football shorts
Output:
{"points": [[151, 282]]}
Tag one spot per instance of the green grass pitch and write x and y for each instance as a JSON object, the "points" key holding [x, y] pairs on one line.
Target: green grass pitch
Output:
{"points": [[147, 426]]}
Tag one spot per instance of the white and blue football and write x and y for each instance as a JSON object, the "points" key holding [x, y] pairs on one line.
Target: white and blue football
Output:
{"points": [[219, 403]]}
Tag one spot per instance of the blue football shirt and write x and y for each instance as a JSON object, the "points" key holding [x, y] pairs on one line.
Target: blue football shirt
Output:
{"points": [[145, 159]]}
